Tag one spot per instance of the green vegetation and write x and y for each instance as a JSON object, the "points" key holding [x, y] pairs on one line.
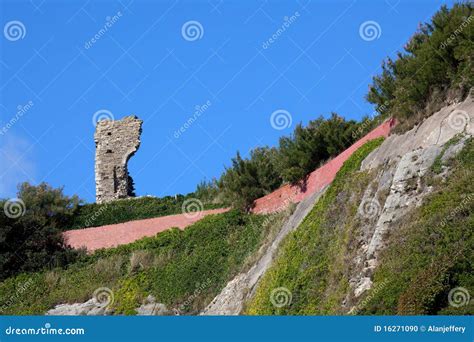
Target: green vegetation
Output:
{"points": [[125, 210], [30, 236], [437, 65], [249, 179], [183, 269], [311, 257], [296, 157], [33, 241], [433, 251], [437, 166]]}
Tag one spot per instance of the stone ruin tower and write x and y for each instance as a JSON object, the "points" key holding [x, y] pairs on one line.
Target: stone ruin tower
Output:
{"points": [[116, 141]]}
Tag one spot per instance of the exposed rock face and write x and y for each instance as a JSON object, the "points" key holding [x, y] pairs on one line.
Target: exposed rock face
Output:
{"points": [[151, 308], [399, 186], [90, 308], [95, 308], [116, 141]]}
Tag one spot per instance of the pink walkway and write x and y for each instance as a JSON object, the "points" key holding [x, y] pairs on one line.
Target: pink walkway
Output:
{"points": [[123, 233]]}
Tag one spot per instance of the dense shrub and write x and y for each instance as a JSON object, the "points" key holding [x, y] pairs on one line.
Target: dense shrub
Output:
{"points": [[437, 64], [249, 179], [32, 240], [308, 147]]}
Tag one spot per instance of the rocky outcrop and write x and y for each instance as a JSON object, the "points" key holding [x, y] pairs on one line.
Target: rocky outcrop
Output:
{"points": [[94, 307], [151, 308], [401, 162], [237, 292], [116, 141], [90, 308]]}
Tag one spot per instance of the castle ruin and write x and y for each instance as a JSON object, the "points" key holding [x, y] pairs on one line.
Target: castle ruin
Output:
{"points": [[116, 141]]}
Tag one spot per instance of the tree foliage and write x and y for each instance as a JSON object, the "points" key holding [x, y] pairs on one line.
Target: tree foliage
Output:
{"points": [[437, 64], [33, 240], [297, 155]]}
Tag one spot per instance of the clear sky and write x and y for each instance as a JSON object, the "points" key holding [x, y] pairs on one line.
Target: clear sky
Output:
{"points": [[162, 61]]}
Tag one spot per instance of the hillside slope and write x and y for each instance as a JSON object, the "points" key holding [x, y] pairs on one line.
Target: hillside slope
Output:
{"points": [[371, 235]]}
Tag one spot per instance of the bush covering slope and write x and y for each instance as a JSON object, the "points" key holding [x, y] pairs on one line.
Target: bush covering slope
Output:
{"points": [[437, 65], [177, 267]]}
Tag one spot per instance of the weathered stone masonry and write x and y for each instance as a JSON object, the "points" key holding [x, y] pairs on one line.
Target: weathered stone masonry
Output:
{"points": [[116, 141]]}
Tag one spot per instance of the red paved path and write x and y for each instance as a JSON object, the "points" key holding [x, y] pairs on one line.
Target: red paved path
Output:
{"points": [[113, 235], [123, 233]]}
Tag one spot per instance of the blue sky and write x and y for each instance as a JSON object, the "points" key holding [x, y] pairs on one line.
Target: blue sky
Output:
{"points": [[54, 78]]}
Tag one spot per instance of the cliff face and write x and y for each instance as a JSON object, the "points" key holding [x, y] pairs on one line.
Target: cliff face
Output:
{"points": [[331, 262]]}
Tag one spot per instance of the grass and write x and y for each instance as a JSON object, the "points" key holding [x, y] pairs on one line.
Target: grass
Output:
{"points": [[182, 269], [309, 260], [124, 210]]}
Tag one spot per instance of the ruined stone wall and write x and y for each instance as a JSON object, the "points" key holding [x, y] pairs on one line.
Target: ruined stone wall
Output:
{"points": [[116, 141]]}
